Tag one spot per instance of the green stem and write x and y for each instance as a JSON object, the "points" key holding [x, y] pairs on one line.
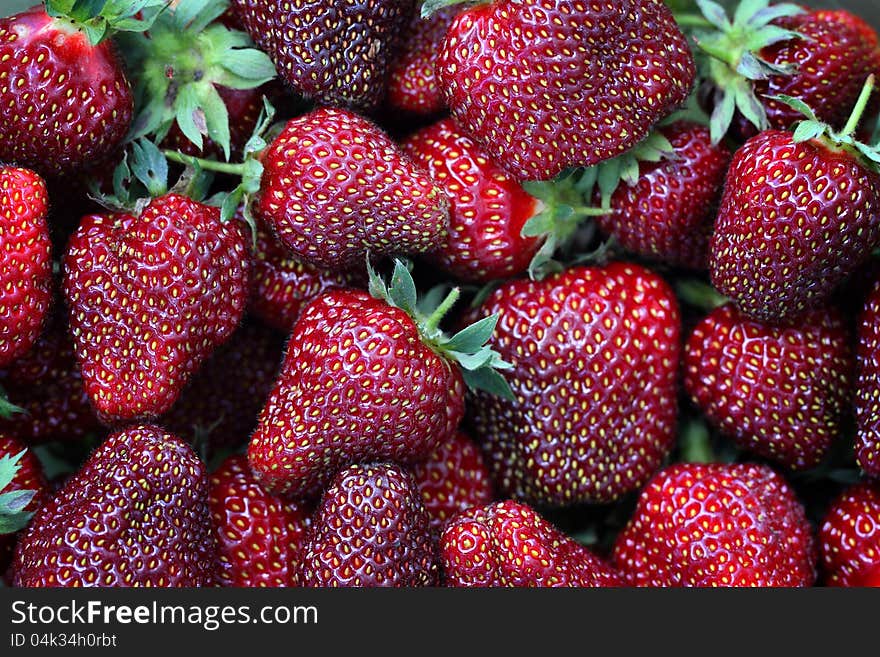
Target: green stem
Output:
{"points": [[721, 53], [207, 165], [692, 20], [859, 109], [430, 325]]}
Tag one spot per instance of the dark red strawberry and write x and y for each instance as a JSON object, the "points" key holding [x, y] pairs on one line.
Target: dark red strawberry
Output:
{"points": [[224, 398], [259, 535], [508, 544], [867, 400], [370, 529], [64, 102], [334, 53], [25, 260], [364, 381], [850, 537], [595, 354], [20, 473], [717, 525], [282, 285], [797, 218], [667, 215], [335, 186], [47, 385], [150, 297], [413, 87], [779, 392], [488, 209], [541, 100], [452, 479], [135, 514]]}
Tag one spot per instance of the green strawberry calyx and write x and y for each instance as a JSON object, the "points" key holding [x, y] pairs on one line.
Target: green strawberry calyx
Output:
{"points": [[183, 59], [479, 363], [728, 56], [7, 408], [13, 503], [101, 19]]}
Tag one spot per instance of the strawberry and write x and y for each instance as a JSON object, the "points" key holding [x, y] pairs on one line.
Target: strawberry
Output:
{"points": [[595, 353], [334, 53], [25, 260], [335, 186], [23, 489], [282, 285], [223, 408], [541, 100], [717, 525], [797, 217], [454, 478], [413, 87], [781, 392], [370, 530], [850, 537], [667, 214], [135, 514], [259, 535], [65, 101], [509, 544], [150, 297], [366, 378], [488, 208], [867, 397]]}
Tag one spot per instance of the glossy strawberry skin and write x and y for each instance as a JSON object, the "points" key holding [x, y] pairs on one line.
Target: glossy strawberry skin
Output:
{"points": [[63, 102], [29, 477], [357, 385], [335, 186], [508, 544], [668, 214], [370, 530], [779, 392], [709, 525], [25, 261], [454, 478], [334, 53], [488, 208], [413, 87], [259, 535], [867, 398], [135, 514], [540, 100], [595, 355], [850, 537], [144, 311], [795, 221], [282, 285]]}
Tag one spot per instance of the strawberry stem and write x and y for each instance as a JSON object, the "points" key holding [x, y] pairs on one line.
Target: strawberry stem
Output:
{"points": [[235, 169], [853, 123], [434, 319]]}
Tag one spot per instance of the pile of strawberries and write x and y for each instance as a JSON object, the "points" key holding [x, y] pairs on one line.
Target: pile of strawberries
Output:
{"points": [[388, 293]]}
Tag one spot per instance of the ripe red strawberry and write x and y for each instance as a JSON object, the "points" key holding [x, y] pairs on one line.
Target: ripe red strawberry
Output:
{"points": [[224, 398], [779, 392], [20, 471], [867, 401], [135, 514], [25, 260], [540, 100], [850, 537], [412, 77], [364, 381], [508, 544], [47, 385], [64, 103], [488, 209], [717, 525], [370, 530], [797, 217], [595, 354], [335, 186], [282, 285], [334, 53], [667, 215], [150, 297], [259, 535], [452, 479]]}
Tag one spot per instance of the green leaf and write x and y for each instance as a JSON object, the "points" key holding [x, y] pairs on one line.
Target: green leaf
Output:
{"points": [[13, 523], [150, 167], [216, 118], [251, 68], [430, 7], [807, 130], [796, 104], [488, 380], [749, 106], [746, 10], [715, 14], [7, 408], [230, 204], [473, 337], [9, 466], [15, 501], [402, 291], [190, 117], [722, 115], [771, 13]]}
